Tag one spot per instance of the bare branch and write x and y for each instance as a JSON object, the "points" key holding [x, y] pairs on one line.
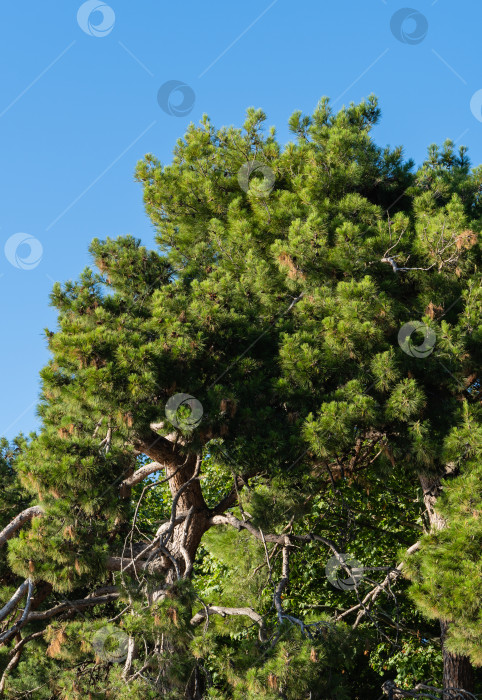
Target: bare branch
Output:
{"points": [[141, 473], [364, 605], [16, 654], [124, 563], [140, 562], [284, 579], [229, 519], [216, 610], [18, 595], [23, 517], [23, 620], [72, 605], [171, 437], [131, 647], [396, 269]]}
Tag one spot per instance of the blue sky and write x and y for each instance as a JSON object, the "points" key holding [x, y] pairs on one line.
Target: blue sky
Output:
{"points": [[78, 108]]}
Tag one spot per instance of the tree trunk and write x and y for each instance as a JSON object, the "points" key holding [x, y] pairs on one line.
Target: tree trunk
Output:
{"points": [[457, 670], [186, 537], [187, 496]]}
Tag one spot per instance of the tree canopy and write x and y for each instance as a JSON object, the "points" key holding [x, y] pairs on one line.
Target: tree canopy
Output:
{"points": [[252, 435]]}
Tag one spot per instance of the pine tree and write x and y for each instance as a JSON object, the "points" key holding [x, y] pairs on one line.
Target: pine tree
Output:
{"points": [[254, 363], [447, 569]]}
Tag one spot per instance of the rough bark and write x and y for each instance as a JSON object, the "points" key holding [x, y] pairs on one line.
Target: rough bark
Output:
{"points": [[432, 488], [187, 497], [458, 671]]}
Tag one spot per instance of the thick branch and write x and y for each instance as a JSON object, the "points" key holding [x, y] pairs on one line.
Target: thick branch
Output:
{"points": [[76, 605], [432, 488], [180, 469], [141, 473], [231, 499], [171, 437], [23, 620], [18, 521], [18, 595], [187, 559], [140, 562]]}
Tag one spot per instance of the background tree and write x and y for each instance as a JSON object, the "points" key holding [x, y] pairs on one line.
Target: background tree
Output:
{"points": [[282, 280]]}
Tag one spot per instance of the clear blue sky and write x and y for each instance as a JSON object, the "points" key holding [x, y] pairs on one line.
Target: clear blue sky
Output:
{"points": [[78, 110]]}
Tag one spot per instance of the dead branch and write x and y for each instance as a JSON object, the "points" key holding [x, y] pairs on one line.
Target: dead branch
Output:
{"points": [[216, 610], [23, 517], [141, 474], [15, 657], [18, 595], [364, 605], [72, 605], [24, 618], [229, 519]]}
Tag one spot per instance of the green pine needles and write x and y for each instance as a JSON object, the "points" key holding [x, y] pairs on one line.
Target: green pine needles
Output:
{"points": [[313, 313]]}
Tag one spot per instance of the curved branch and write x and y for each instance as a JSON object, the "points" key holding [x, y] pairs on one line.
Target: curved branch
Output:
{"points": [[23, 517], [231, 499], [23, 620], [16, 654], [171, 437], [141, 473], [18, 595]]}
